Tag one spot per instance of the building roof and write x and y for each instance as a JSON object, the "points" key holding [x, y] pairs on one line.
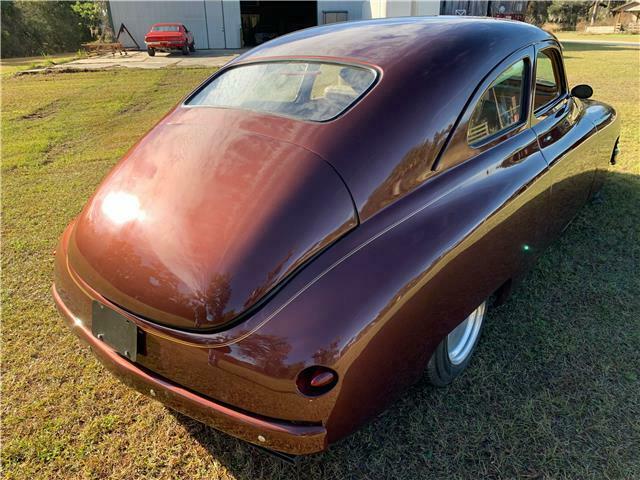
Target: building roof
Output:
{"points": [[627, 7], [385, 42]]}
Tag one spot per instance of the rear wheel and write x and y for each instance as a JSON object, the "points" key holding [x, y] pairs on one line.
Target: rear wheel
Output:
{"points": [[185, 50], [453, 354], [151, 52], [192, 47]]}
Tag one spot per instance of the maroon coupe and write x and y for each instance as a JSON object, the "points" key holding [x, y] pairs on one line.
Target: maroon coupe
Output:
{"points": [[329, 215]]}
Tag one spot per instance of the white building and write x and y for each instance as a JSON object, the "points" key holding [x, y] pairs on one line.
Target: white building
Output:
{"points": [[240, 23]]}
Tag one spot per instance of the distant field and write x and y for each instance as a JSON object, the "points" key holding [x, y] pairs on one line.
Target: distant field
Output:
{"points": [[552, 393], [618, 37]]}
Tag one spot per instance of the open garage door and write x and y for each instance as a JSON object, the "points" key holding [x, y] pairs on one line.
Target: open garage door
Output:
{"points": [[264, 20]]}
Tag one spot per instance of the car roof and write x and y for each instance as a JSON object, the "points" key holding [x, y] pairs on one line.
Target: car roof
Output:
{"points": [[167, 24], [385, 42], [430, 67]]}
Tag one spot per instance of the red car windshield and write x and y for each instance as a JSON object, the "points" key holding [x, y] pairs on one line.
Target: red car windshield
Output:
{"points": [[166, 28]]}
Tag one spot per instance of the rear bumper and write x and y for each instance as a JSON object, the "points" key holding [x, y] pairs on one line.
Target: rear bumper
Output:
{"points": [[161, 45], [276, 435]]}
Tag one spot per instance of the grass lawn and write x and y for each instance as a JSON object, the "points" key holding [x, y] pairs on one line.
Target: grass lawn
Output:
{"points": [[608, 37], [9, 66], [553, 391]]}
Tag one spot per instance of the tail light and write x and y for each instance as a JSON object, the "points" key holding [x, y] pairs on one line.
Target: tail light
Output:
{"points": [[316, 380]]}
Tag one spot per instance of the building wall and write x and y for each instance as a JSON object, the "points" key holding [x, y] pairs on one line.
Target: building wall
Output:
{"points": [[203, 17], [469, 7], [217, 24], [426, 7], [367, 9], [232, 23], [354, 9], [374, 9]]}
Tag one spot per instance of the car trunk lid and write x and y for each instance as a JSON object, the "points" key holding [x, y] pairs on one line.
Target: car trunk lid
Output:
{"points": [[200, 222], [161, 36]]}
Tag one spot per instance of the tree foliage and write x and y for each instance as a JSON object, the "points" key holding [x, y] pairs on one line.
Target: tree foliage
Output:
{"points": [[32, 28], [91, 12], [568, 12], [537, 12]]}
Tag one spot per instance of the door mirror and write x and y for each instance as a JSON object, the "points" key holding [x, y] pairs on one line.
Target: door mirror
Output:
{"points": [[582, 91]]}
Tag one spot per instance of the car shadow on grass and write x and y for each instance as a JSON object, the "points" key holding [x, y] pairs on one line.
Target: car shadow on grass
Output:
{"points": [[553, 389]]}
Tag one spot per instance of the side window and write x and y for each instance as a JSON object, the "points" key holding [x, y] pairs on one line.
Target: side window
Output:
{"points": [[547, 80], [501, 105]]}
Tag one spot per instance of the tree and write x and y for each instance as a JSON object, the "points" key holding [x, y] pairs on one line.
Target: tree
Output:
{"points": [[41, 27], [94, 14], [568, 13], [537, 12]]}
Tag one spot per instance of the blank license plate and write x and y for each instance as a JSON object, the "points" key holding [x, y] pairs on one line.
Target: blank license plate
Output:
{"points": [[115, 330]]}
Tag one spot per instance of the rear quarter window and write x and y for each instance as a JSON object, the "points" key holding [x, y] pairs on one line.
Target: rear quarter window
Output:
{"points": [[500, 107]]}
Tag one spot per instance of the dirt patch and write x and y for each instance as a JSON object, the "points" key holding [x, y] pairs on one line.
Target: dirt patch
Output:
{"points": [[42, 112], [54, 151], [53, 71], [134, 107]]}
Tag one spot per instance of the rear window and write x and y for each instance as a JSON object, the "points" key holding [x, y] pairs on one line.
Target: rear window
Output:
{"points": [[304, 90], [166, 28]]}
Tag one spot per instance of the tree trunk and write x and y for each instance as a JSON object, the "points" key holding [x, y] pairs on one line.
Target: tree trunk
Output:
{"points": [[594, 12]]}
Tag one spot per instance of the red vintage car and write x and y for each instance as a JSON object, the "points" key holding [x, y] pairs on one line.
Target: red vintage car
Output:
{"points": [[169, 36], [329, 215]]}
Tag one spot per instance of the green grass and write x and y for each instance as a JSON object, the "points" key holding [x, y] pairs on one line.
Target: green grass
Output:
{"points": [[602, 37], [552, 392], [9, 66]]}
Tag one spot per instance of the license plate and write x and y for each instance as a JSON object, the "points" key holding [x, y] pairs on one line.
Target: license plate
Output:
{"points": [[115, 330]]}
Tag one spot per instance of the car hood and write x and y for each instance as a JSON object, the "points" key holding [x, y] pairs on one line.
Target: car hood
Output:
{"points": [[199, 223]]}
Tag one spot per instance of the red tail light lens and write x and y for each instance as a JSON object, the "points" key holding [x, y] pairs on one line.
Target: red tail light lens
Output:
{"points": [[317, 380]]}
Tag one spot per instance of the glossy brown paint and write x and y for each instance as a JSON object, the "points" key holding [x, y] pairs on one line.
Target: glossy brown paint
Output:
{"points": [[205, 218], [440, 227], [309, 438]]}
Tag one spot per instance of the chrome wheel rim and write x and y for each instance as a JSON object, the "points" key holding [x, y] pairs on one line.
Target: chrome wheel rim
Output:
{"points": [[461, 340]]}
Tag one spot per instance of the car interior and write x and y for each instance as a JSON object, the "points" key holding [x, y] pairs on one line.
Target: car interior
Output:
{"points": [[500, 105], [304, 90]]}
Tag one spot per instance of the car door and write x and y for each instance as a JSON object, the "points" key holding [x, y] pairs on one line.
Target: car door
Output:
{"points": [[563, 132], [502, 187]]}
